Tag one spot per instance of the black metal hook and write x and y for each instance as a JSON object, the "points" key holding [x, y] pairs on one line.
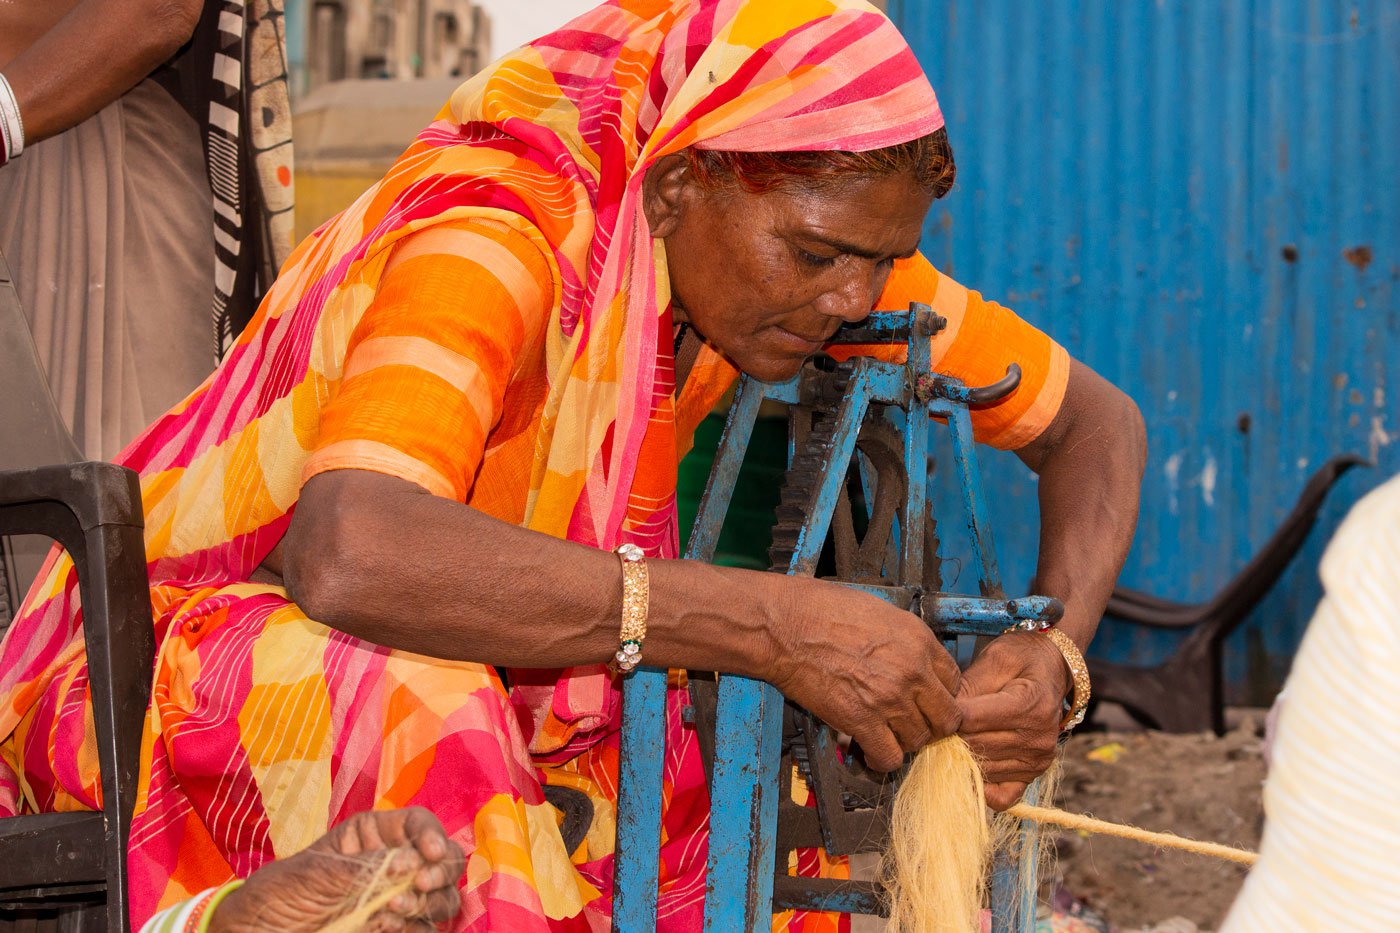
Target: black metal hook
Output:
{"points": [[997, 390]]}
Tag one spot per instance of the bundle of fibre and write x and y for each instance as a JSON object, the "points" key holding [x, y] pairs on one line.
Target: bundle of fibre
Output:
{"points": [[935, 868]]}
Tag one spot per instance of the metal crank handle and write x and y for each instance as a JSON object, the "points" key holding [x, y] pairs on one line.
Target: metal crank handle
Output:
{"points": [[981, 615], [931, 386]]}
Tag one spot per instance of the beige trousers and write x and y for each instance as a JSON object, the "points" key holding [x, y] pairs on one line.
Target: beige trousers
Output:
{"points": [[108, 231]]}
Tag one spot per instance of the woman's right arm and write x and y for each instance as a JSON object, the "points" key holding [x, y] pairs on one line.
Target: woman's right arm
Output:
{"points": [[382, 559]]}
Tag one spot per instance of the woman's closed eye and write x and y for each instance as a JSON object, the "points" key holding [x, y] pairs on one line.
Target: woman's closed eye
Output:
{"points": [[818, 262]]}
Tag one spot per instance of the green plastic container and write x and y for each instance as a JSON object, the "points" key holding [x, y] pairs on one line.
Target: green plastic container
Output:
{"points": [[748, 526]]}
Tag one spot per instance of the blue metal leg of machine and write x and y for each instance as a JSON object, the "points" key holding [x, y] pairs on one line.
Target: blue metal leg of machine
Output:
{"points": [[744, 807]]}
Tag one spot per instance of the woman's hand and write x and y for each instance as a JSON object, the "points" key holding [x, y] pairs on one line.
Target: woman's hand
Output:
{"points": [[865, 668], [1012, 703]]}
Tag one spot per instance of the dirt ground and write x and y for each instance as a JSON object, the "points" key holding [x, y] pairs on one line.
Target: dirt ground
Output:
{"points": [[1200, 786]]}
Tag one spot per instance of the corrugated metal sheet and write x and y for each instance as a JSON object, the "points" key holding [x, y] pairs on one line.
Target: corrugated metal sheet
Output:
{"points": [[1200, 200]]}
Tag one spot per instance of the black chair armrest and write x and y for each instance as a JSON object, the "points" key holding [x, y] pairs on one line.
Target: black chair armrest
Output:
{"points": [[1256, 578], [46, 847], [93, 509], [96, 492], [1143, 609]]}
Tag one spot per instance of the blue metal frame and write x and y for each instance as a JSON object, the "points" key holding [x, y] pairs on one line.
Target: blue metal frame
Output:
{"points": [[748, 732]]}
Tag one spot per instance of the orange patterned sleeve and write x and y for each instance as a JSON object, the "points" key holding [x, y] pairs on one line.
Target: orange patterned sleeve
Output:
{"points": [[981, 340], [428, 364]]}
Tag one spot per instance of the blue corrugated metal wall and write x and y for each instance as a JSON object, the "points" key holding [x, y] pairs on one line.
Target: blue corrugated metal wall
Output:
{"points": [[1200, 200]]}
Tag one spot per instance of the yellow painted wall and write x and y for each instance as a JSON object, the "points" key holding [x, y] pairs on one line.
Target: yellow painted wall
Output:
{"points": [[322, 193]]}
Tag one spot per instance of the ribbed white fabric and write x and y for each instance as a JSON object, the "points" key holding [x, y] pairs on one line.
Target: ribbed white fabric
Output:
{"points": [[1330, 858]]}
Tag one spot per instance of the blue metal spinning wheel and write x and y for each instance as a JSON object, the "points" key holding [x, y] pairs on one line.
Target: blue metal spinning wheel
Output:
{"points": [[834, 407]]}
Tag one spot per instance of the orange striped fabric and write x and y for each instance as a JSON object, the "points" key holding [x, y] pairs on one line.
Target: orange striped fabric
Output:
{"points": [[456, 327]]}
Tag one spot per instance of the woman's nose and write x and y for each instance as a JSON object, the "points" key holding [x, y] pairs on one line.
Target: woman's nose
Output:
{"points": [[853, 299]]}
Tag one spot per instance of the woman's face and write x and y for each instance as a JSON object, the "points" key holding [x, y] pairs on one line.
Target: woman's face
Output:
{"points": [[767, 278]]}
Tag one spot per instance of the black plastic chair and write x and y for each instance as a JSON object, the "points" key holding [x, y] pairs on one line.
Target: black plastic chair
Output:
{"points": [[75, 860], [1186, 693]]}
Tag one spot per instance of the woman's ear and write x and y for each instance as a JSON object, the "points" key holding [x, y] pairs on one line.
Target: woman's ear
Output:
{"points": [[666, 190]]}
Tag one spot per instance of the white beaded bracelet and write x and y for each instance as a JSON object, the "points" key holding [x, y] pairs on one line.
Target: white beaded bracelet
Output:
{"points": [[11, 123]]}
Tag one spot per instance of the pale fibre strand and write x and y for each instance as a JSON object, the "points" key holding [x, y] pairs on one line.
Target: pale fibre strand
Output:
{"points": [[378, 891]]}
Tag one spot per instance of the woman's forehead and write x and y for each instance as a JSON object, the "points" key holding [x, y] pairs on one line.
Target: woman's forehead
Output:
{"points": [[877, 217]]}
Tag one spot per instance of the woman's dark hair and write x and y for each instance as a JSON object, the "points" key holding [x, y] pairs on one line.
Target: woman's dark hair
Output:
{"points": [[928, 158]]}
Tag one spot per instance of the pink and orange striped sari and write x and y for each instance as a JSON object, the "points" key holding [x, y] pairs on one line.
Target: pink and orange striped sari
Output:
{"points": [[491, 321]]}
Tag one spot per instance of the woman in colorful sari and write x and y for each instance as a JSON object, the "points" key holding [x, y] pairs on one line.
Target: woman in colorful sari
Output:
{"points": [[381, 536]]}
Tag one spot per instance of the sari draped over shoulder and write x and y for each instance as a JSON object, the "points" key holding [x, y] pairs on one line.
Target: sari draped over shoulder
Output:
{"points": [[551, 405]]}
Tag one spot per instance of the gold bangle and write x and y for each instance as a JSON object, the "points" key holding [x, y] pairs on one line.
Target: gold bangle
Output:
{"points": [[636, 600], [1079, 674]]}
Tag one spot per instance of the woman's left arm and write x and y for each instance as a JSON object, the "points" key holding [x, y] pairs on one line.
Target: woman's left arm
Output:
{"points": [[1090, 461]]}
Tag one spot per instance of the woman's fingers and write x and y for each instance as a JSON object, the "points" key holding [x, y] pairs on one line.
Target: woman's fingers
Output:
{"points": [[435, 884], [916, 708], [409, 904], [443, 874], [425, 831], [1011, 756], [443, 904], [438, 885], [871, 670], [944, 667], [1002, 795], [993, 711], [999, 772], [362, 832], [913, 734], [433, 896], [1010, 715], [883, 751], [939, 709]]}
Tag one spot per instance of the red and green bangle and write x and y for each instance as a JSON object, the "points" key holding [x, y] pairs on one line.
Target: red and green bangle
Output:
{"points": [[192, 915]]}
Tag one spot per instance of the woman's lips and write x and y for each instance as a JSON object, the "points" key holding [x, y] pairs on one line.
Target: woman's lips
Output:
{"points": [[799, 343]]}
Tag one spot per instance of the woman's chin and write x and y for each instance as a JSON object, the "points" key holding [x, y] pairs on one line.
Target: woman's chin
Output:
{"points": [[772, 369]]}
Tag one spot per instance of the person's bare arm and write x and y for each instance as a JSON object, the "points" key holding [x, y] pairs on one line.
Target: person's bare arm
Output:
{"points": [[382, 559], [1090, 462], [91, 56]]}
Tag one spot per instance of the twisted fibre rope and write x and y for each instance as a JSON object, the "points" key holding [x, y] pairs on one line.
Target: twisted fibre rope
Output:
{"points": [[1077, 821]]}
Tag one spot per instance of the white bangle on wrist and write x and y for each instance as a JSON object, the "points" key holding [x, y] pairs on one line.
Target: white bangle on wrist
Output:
{"points": [[11, 123]]}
